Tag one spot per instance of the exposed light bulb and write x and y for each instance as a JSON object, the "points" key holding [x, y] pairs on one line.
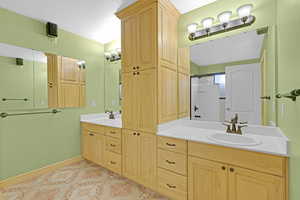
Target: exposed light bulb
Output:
{"points": [[245, 10], [224, 17], [207, 22], [192, 28], [107, 55]]}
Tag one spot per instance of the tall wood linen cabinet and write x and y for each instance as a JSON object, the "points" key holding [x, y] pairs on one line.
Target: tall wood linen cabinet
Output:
{"points": [[150, 83]]}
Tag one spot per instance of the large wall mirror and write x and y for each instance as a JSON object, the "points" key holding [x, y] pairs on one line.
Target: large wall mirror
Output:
{"points": [[113, 80], [23, 78], [234, 75], [29, 81]]}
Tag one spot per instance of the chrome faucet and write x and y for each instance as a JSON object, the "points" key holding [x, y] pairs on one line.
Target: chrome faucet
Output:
{"points": [[111, 114], [234, 126]]}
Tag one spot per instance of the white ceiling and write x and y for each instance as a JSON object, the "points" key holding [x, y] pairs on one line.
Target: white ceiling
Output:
{"points": [[93, 19], [239, 47]]}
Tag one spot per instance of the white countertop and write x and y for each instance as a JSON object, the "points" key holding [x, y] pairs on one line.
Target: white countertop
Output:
{"points": [[272, 140], [102, 119]]}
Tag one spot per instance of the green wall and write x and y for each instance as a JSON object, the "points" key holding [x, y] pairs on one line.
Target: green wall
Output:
{"points": [[31, 142], [112, 78], [288, 79]]}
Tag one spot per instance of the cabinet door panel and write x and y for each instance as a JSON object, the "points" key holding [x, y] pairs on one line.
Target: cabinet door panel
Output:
{"points": [[167, 95], [147, 101], [82, 96], [130, 101], [147, 38], [183, 95], [69, 95], [69, 70], [184, 60], [168, 37], [207, 180], [129, 43], [99, 142], [130, 154], [147, 159], [89, 147], [248, 185]]}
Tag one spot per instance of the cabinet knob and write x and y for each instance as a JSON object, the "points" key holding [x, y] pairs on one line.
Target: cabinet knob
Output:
{"points": [[134, 73], [138, 134], [137, 67], [134, 133], [138, 73], [223, 168], [133, 68], [231, 170]]}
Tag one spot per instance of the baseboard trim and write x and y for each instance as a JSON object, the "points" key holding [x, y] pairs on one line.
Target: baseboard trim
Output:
{"points": [[23, 177]]}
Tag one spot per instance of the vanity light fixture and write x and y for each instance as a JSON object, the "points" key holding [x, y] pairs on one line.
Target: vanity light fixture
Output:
{"points": [[225, 23], [207, 23], [224, 18], [113, 55], [244, 12]]}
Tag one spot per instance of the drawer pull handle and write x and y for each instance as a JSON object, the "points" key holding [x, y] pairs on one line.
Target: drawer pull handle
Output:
{"points": [[171, 145], [91, 134], [113, 163], [170, 162], [112, 132], [223, 168], [171, 186], [231, 170], [112, 145]]}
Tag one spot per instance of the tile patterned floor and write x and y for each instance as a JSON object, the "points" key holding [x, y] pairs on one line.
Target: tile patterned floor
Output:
{"points": [[79, 181]]}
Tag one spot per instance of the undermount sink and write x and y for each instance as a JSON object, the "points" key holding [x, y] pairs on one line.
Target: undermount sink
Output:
{"points": [[231, 139]]}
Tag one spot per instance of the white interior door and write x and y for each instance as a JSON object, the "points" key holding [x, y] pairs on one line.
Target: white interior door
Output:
{"points": [[243, 89]]}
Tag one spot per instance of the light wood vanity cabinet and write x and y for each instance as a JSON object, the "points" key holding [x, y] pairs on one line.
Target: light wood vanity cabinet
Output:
{"points": [[66, 82], [220, 173], [139, 157], [102, 145]]}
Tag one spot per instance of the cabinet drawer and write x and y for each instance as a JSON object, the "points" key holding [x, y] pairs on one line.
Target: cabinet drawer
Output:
{"points": [[113, 144], [113, 161], [172, 185], [248, 159], [93, 127], [113, 132], [171, 144], [172, 161]]}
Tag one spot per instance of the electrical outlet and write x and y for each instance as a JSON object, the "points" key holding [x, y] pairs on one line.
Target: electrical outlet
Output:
{"points": [[93, 103]]}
